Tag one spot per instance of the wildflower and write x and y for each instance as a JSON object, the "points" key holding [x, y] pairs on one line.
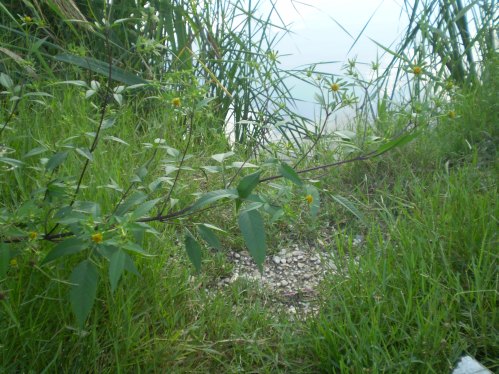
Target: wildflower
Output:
{"points": [[176, 101], [13, 262], [33, 235], [97, 238], [417, 70], [159, 141], [449, 85], [310, 199], [27, 19], [335, 87], [451, 114]]}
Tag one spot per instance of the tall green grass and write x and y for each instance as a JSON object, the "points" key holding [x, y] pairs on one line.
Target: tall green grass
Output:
{"points": [[420, 292]]}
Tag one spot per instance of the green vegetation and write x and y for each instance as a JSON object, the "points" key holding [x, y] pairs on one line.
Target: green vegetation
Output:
{"points": [[121, 195]]}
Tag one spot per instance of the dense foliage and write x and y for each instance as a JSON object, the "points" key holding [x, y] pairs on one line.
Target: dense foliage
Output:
{"points": [[114, 152]]}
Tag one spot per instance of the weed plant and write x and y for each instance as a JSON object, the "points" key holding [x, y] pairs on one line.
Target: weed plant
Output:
{"points": [[109, 187]]}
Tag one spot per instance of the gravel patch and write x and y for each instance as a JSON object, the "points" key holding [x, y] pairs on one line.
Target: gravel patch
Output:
{"points": [[291, 276]]}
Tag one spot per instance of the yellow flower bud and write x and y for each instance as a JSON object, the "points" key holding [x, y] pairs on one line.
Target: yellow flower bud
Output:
{"points": [[417, 70], [97, 238], [335, 87], [176, 101], [310, 199]]}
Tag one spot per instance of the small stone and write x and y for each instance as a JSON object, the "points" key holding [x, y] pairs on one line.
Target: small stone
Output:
{"points": [[292, 310], [284, 283], [237, 255], [298, 253], [307, 276], [301, 265], [283, 261], [276, 259]]}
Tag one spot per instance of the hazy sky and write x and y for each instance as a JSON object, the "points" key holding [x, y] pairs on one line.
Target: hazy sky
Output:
{"points": [[316, 37]]}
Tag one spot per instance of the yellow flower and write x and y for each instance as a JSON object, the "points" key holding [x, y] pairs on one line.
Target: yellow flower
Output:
{"points": [[451, 114], [13, 262], [310, 199], [417, 70], [176, 101], [33, 235], [335, 87], [27, 19], [97, 238]]}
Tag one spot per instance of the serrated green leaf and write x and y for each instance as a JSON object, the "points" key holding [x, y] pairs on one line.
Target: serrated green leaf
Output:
{"points": [[251, 226], [348, 205], [404, 139], [85, 279], [209, 237], [85, 152], [213, 196], [137, 197], [134, 247], [35, 151], [67, 247], [144, 208], [193, 250], [116, 268], [115, 139], [220, 157], [290, 174], [108, 122], [247, 184], [6, 81], [56, 160]]}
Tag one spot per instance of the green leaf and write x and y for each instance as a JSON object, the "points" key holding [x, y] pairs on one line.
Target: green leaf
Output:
{"points": [[35, 151], [67, 247], [220, 157], [213, 196], [209, 237], [115, 139], [108, 122], [6, 81], [85, 152], [290, 174], [100, 67], [134, 247], [11, 161], [193, 250], [247, 184], [404, 139], [84, 278], [137, 197], [348, 205], [251, 226], [144, 208], [316, 200], [116, 268], [56, 160], [4, 259]]}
